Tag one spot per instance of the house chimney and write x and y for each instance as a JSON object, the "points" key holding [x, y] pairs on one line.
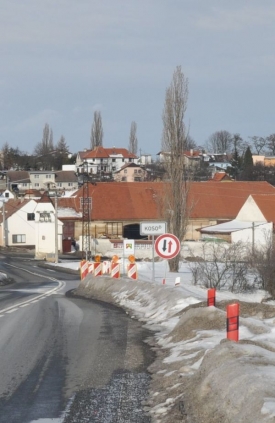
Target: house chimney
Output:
{"points": [[191, 151]]}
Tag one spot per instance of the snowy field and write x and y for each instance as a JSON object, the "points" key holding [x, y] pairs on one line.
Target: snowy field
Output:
{"points": [[198, 376]]}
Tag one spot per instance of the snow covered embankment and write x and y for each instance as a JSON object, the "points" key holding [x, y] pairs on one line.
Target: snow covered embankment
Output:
{"points": [[198, 375]]}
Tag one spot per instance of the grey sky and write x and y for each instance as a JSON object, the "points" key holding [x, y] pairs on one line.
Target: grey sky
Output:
{"points": [[63, 59]]}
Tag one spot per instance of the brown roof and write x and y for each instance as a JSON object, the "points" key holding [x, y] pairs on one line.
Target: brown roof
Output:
{"points": [[65, 176], [18, 176], [224, 200], [102, 153], [45, 198], [266, 204], [128, 165], [140, 200], [12, 206], [221, 176]]}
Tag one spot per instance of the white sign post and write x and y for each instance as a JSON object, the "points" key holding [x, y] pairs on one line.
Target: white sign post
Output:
{"points": [[153, 228], [167, 246], [128, 249]]}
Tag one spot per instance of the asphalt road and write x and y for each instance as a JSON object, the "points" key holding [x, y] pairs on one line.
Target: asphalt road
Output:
{"points": [[66, 359]]}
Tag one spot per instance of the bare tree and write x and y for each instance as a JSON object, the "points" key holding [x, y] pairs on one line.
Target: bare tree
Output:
{"points": [[190, 143], [220, 142], [259, 143], [97, 131], [270, 143], [174, 141], [133, 141]]}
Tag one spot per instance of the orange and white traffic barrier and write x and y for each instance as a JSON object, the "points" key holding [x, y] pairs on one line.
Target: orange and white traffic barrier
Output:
{"points": [[132, 271], [211, 297], [97, 269], [84, 266], [232, 321], [115, 270]]}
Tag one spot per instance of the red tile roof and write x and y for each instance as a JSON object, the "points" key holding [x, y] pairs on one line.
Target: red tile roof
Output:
{"points": [[12, 206], [266, 204], [141, 200], [221, 176], [103, 153], [223, 201]]}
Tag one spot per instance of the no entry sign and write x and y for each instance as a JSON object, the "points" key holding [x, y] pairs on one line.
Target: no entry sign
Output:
{"points": [[167, 246]]}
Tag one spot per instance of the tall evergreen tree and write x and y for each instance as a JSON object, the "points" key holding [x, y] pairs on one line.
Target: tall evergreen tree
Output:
{"points": [[247, 166]]}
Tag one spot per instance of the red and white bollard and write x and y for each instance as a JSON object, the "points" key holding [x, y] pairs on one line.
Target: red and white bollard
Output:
{"points": [[211, 297], [232, 321]]}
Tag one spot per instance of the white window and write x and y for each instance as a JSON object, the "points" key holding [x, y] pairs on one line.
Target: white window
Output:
{"points": [[36, 184], [59, 184], [70, 184], [19, 239], [48, 176], [36, 176]]}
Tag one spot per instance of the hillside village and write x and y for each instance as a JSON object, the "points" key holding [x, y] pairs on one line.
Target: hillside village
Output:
{"points": [[123, 191]]}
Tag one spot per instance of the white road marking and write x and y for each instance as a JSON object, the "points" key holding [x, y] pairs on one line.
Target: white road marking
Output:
{"points": [[52, 291]]}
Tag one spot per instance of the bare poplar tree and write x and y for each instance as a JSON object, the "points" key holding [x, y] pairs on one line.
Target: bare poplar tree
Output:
{"points": [[46, 144], [174, 142], [44, 149], [133, 141], [97, 131]]}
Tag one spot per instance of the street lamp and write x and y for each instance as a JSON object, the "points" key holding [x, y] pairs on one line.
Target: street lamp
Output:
{"points": [[86, 213]]}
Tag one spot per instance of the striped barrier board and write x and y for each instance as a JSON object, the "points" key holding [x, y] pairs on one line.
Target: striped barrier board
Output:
{"points": [[97, 269], [83, 269], [132, 271], [115, 270]]}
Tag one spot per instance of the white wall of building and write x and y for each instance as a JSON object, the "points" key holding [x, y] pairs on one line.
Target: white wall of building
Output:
{"points": [[250, 212], [18, 224], [260, 234], [45, 230]]}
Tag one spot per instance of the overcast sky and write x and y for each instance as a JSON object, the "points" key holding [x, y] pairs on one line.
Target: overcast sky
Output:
{"points": [[63, 59]]}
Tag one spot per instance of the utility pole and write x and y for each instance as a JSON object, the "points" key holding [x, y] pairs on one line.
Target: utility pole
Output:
{"points": [[253, 238], [86, 214], [4, 225], [56, 229]]}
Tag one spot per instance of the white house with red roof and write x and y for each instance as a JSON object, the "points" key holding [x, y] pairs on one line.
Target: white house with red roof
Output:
{"points": [[102, 160], [254, 224]]}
